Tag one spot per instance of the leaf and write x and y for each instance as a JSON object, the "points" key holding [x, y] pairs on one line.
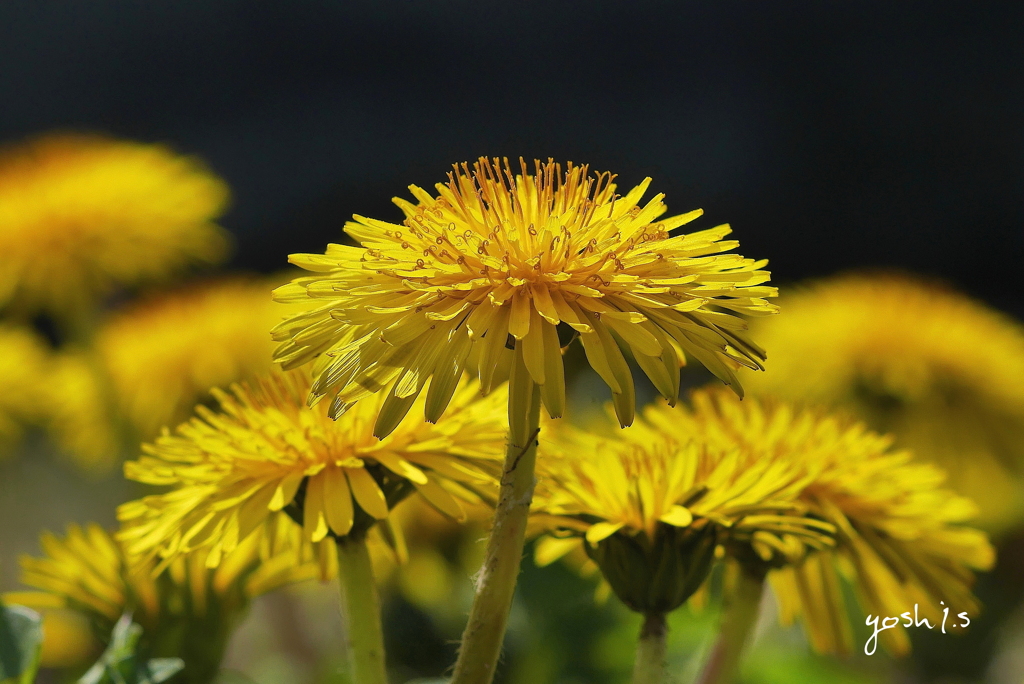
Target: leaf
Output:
{"points": [[119, 663], [21, 640]]}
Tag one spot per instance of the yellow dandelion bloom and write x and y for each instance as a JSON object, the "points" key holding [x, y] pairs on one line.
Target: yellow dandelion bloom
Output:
{"points": [[187, 610], [23, 362], [899, 539], [164, 353], [502, 263], [77, 405], [265, 451], [650, 506], [81, 215], [940, 371], [155, 359]]}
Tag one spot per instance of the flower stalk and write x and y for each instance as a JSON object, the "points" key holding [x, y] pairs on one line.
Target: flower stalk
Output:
{"points": [[741, 610], [360, 609], [496, 583], [649, 667]]}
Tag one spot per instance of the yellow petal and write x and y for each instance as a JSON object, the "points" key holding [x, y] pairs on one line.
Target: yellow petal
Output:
{"points": [[677, 516], [533, 347], [553, 390], [519, 321], [550, 549], [441, 500], [337, 500], [285, 491], [602, 530], [313, 520], [368, 494]]}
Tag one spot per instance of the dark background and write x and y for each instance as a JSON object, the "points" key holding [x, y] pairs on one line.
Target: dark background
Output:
{"points": [[831, 135]]}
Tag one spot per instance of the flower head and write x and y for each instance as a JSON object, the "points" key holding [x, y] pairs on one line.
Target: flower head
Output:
{"points": [[81, 215], [23, 359], [265, 451], [899, 536], [653, 504], [505, 262], [936, 369], [88, 572], [164, 353]]}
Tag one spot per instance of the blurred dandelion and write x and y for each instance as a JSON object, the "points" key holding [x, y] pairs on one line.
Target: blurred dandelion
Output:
{"points": [[499, 272], [153, 360], [81, 215], [651, 505], [23, 363], [186, 611], [265, 451], [935, 368]]}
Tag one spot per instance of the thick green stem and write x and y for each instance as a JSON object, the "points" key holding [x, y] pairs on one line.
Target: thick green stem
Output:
{"points": [[649, 667], [496, 583], [360, 609], [741, 609]]}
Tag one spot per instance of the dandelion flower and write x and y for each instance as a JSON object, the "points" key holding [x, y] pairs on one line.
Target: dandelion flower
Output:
{"points": [[165, 353], [154, 360], [265, 451], [651, 506], [187, 610], [936, 369], [647, 493], [498, 265], [23, 360], [81, 215], [78, 412], [899, 541]]}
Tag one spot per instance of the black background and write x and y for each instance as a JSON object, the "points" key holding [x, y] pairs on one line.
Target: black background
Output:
{"points": [[830, 135]]}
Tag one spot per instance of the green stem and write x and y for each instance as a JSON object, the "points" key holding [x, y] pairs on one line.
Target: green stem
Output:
{"points": [[496, 583], [740, 615], [360, 608], [649, 667]]}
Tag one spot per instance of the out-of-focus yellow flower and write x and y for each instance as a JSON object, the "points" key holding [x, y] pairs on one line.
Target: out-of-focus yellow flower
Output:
{"points": [[500, 263], [81, 215], [154, 360], [938, 370], [265, 451], [186, 610], [652, 504], [23, 359], [899, 537], [164, 354], [78, 412]]}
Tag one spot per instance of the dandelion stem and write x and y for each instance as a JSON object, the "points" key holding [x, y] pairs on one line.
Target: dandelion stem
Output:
{"points": [[649, 667], [741, 610], [496, 583], [360, 609]]}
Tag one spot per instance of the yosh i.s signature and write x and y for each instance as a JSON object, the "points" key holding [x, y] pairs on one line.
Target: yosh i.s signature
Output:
{"points": [[909, 621]]}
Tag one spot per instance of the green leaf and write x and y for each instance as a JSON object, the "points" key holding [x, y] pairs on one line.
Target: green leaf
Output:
{"points": [[119, 663], [21, 641]]}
